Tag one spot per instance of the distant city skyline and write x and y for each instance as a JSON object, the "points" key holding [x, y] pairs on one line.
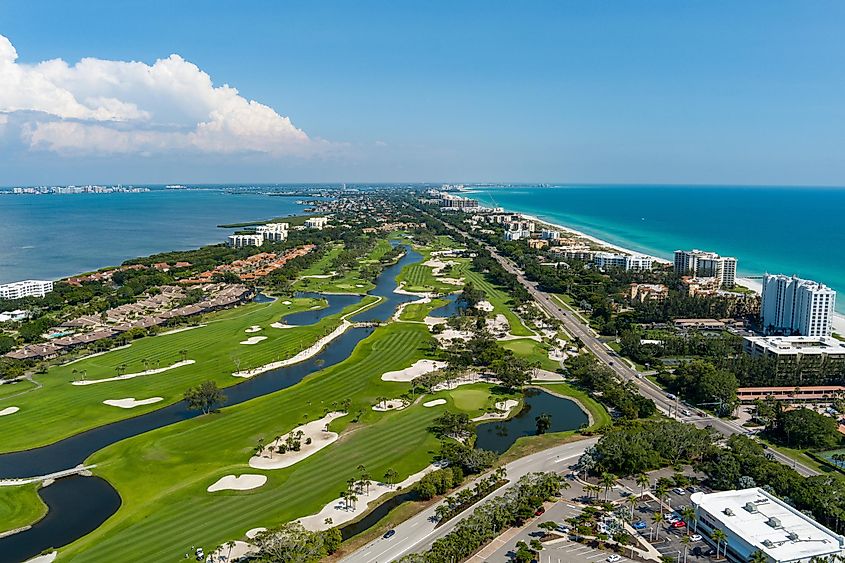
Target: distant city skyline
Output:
{"points": [[745, 93]]}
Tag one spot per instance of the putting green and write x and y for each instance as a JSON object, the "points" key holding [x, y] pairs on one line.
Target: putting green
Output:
{"points": [[20, 506]]}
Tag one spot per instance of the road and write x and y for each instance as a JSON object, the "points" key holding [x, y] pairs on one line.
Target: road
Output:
{"points": [[576, 328], [418, 532]]}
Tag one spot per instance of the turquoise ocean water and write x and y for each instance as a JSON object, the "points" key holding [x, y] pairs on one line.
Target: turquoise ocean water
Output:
{"points": [[789, 230], [52, 236]]}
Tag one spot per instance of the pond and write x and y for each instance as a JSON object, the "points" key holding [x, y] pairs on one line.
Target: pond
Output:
{"points": [[500, 435]]}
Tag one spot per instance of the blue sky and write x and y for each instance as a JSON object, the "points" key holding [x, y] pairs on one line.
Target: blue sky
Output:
{"points": [[652, 91]]}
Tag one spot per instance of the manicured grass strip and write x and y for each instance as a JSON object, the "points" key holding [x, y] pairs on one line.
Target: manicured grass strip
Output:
{"points": [[500, 301], [59, 409], [532, 351], [20, 506]]}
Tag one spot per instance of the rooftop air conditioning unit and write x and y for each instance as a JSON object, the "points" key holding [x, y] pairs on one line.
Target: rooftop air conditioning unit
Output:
{"points": [[773, 522], [751, 507], [768, 543], [792, 536], [728, 512]]}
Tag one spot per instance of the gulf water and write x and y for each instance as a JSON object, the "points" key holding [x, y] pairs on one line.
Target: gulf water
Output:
{"points": [[788, 230]]}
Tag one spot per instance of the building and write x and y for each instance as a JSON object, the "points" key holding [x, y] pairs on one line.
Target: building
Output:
{"points": [[605, 260], [805, 355], [26, 288], [802, 394], [240, 241], [316, 223], [517, 230], [701, 264], [14, 316], [796, 306], [273, 232], [538, 244], [754, 520], [449, 202], [549, 234], [643, 292]]}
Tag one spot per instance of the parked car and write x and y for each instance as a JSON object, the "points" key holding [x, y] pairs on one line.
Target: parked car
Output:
{"points": [[679, 491], [613, 558], [671, 517], [693, 489], [539, 511], [389, 534], [695, 537], [670, 396], [639, 525], [563, 529], [679, 524]]}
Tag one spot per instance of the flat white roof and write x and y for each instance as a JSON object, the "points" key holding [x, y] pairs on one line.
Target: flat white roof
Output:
{"points": [[808, 537], [799, 344]]}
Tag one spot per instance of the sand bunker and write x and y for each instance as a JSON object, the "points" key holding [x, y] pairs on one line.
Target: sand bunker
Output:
{"points": [[282, 325], [253, 340], [130, 402], [503, 409], [46, 558], [391, 405], [485, 306], [239, 483], [339, 512], [240, 551], [301, 357], [420, 367], [131, 375], [250, 534], [9, 410], [434, 403], [451, 281], [253, 328], [316, 430], [287, 302]]}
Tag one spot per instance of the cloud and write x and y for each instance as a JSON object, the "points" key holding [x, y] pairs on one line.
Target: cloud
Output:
{"points": [[116, 107]]}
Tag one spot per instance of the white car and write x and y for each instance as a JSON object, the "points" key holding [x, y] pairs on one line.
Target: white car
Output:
{"points": [[613, 558], [695, 537], [671, 517]]}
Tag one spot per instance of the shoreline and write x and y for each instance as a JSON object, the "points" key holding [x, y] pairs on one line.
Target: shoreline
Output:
{"points": [[837, 322]]}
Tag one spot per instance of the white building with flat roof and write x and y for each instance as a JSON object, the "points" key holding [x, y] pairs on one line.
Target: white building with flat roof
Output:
{"points": [[754, 520], [316, 223], [273, 232], [25, 288], [240, 241], [638, 263], [792, 305], [702, 264]]}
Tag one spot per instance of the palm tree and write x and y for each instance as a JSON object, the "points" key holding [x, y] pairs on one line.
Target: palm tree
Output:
{"points": [[658, 519], [688, 514], [632, 502], [685, 540], [344, 495], [758, 557], [608, 481], [441, 512], [662, 490], [231, 545], [366, 481], [353, 498], [390, 475], [643, 482], [719, 536]]}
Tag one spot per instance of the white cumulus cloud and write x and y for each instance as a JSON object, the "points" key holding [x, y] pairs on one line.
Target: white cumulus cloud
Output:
{"points": [[116, 107]]}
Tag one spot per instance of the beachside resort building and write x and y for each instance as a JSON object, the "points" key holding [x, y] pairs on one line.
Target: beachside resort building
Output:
{"points": [[451, 202], [637, 263], [792, 305], [549, 234], [702, 264], [273, 232], [643, 292], [241, 241], [754, 520], [807, 355], [25, 288], [518, 230], [318, 223]]}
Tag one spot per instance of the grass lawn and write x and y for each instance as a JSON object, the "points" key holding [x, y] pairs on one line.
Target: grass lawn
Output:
{"points": [[20, 506], [60, 409], [8, 389], [533, 351], [470, 398], [342, 282], [418, 311], [500, 301], [157, 522]]}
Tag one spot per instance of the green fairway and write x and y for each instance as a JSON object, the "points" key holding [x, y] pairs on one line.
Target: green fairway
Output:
{"points": [[20, 506], [500, 301], [533, 351], [155, 522], [60, 409], [471, 399], [340, 282]]}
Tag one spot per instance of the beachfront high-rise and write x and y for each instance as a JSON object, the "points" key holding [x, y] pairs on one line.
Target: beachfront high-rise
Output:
{"points": [[702, 264], [792, 305]]}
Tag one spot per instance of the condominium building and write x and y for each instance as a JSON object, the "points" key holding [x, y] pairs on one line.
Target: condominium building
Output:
{"points": [[604, 260], [26, 288], [805, 355], [240, 241], [754, 520], [449, 202], [792, 305], [316, 223], [273, 232], [702, 264], [517, 230], [549, 234]]}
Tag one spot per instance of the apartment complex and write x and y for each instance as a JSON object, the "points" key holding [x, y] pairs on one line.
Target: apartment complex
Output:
{"points": [[273, 232], [519, 229], [754, 520], [807, 355], [318, 223], [240, 241], [637, 263], [792, 305], [702, 264], [26, 288], [449, 202]]}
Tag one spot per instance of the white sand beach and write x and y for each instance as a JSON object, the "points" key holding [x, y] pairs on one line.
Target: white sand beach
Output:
{"points": [[420, 367], [243, 482], [133, 375], [130, 402], [316, 430], [9, 410]]}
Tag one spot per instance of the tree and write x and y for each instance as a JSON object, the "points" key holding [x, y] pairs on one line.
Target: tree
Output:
{"points": [[805, 428], [758, 557], [658, 519], [688, 514], [205, 397], [643, 482], [390, 475], [685, 541], [608, 481], [719, 536], [544, 422], [290, 543]]}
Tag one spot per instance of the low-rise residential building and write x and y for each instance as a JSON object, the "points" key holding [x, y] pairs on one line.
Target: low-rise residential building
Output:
{"points": [[643, 292], [14, 316], [537, 244], [518, 230], [637, 263], [25, 288], [808, 355], [755, 520], [318, 223], [240, 241]]}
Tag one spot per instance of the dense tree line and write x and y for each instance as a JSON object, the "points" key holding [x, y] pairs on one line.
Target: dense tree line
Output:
{"points": [[703, 384], [609, 388], [292, 543]]}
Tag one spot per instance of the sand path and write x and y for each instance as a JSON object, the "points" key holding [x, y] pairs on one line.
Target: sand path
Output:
{"points": [[132, 375]]}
